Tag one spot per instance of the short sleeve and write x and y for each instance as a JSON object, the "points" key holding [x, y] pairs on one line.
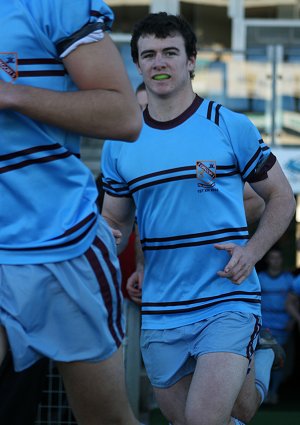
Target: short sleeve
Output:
{"points": [[253, 156], [112, 180], [65, 22]]}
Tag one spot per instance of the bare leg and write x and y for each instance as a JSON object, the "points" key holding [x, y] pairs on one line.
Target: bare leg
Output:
{"points": [[96, 391], [3, 344], [172, 400], [208, 396], [216, 383]]}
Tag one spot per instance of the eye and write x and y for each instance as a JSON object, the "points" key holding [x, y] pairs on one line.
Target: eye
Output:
{"points": [[171, 53], [147, 55]]}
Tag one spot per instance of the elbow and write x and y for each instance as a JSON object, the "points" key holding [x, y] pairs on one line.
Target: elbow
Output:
{"points": [[132, 126]]}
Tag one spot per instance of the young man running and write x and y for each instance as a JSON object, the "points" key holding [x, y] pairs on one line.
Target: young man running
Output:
{"points": [[185, 177]]}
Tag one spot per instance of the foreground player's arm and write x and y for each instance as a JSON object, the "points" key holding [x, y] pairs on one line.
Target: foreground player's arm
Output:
{"points": [[119, 212], [104, 107], [278, 212], [254, 205]]}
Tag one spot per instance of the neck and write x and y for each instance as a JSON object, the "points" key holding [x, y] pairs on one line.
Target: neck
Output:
{"points": [[166, 108]]}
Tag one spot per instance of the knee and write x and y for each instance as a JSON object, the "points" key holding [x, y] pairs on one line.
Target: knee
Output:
{"points": [[244, 413]]}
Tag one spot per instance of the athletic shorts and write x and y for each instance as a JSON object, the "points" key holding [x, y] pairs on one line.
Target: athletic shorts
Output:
{"points": [[66, 311], [171, 354]]}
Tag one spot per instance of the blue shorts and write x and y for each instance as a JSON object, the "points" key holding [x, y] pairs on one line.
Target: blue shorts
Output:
{"points": [[67, 311], [171, 354]]}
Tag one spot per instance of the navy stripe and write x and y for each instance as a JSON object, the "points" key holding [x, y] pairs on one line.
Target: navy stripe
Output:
{"points": [[39, 61], [201, 307], [255, 156], [217, 117], [174, 170], [209, 109], [199, 243], [100, 245], [105, 291], [68, 243], [29, 151], [156, 182], [198, 300], [34, 162], [250, 347], [78, 226], [48, 73], [196, 235]]}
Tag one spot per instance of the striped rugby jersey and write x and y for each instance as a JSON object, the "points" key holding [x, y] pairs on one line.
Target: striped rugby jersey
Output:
{"points": [[186, 177], [48, 211]]}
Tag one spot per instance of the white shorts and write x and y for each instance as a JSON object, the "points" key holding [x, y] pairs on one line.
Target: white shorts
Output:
{"points": [[66, 311]]}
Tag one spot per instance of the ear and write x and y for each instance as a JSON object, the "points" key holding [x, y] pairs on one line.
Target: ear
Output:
{"points": [[192, 63]]}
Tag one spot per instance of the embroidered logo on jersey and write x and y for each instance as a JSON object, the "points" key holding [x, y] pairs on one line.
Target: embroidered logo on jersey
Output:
{"points": [[206, 173], [8, 66]]}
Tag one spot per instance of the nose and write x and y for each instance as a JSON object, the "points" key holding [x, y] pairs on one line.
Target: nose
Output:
{"points": [[159, 61]]}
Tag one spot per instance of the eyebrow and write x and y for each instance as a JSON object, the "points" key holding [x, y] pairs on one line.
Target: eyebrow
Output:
{"points": [[144, 52]]}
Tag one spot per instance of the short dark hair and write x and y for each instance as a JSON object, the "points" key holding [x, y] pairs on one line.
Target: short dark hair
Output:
{"points": [[163, 25]]}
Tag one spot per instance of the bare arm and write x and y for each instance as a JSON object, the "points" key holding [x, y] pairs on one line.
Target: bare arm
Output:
{"points": [[253, 203], [104, 107], [278, 212], [119, 214]]}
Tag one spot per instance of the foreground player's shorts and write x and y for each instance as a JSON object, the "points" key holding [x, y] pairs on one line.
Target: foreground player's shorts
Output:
{"points": [[67, 311]]}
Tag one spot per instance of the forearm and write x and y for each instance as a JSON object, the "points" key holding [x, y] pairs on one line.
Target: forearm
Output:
{"points": [[274, 221], [96, 113]]}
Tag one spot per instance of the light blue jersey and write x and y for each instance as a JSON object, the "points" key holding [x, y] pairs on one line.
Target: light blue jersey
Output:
{"points": [[275, 290], [186, 177], [48, 211]]}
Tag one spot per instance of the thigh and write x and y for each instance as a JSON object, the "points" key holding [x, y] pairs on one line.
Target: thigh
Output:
{"points": [[96, 391], [172, 400], [248, 399], [215, 386]]}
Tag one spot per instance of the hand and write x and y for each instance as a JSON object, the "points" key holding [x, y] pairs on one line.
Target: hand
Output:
{"points": [[117, 235], [240, 264], [134, 286]]}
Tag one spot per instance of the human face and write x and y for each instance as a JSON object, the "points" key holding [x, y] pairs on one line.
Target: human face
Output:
{"points": [[164, 64]]}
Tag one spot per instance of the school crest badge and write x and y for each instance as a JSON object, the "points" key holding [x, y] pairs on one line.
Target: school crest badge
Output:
{"points": [[206, 173], [8, 66]]}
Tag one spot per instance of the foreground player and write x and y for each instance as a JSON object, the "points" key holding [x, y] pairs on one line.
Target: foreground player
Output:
{"points": [[185, 176], [61, 76]]}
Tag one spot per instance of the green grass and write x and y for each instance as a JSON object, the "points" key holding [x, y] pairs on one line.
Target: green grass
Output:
{"points": [[263, 417]]}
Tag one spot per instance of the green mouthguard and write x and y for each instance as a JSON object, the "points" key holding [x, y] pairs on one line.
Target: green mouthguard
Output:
{"points": [[161, 77]]}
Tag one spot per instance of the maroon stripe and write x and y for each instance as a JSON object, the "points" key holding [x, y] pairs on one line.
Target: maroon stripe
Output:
{"points": [[42, 73], [29, 151], [39, 61], [250, 349], [105, 291], [34, 161], [99, 244], [78, 226]]}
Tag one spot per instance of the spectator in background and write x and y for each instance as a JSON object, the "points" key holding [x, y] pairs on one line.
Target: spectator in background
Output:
{"points": [[276, 288]]}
